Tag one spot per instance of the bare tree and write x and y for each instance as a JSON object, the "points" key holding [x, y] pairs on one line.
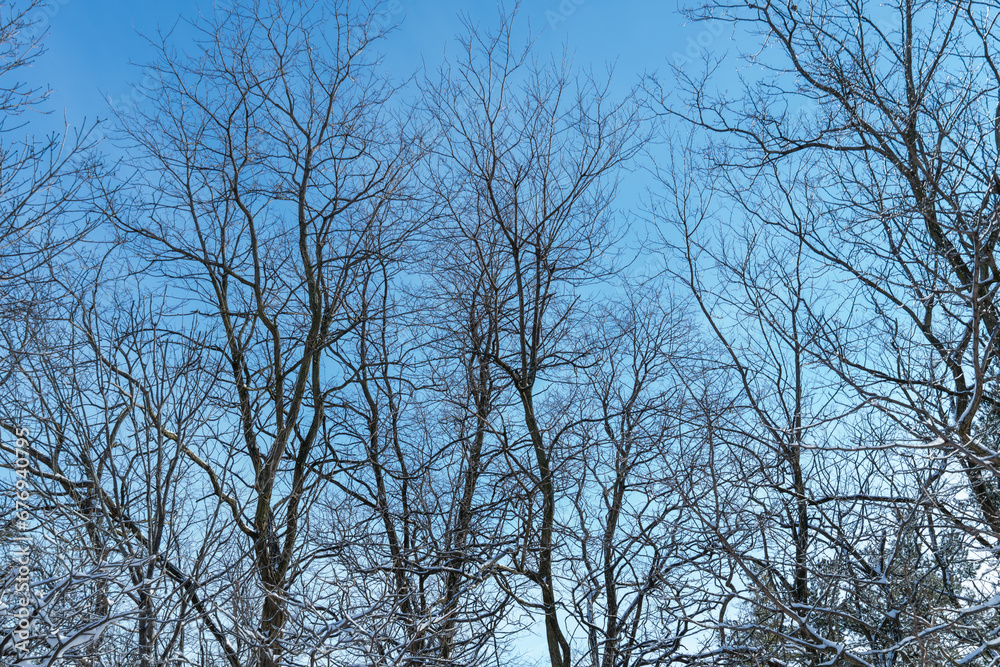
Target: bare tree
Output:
{"points": [[43, 184], [116, 535], [525, 174], [863, 159], [267, 169], [636, 546], [44, 193]]}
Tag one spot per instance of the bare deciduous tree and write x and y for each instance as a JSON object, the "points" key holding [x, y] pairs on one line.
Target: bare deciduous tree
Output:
{"points": [[43, 181], [865, 153], [635, 545], [525, 174], [267, 169]]}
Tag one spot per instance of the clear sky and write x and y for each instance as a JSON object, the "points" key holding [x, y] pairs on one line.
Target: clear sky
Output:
{"points": [[90, 43], [94, 49], [91, 46]]}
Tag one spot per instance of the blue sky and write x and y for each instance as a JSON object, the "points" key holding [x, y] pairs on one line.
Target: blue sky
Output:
{"points": [[90, 43]]}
